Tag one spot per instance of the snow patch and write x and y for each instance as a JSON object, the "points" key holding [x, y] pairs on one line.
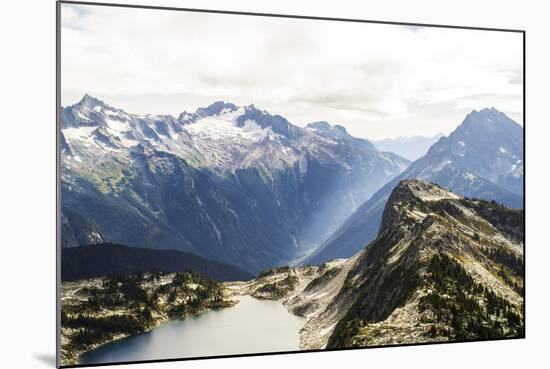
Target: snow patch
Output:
{"points": [[234, 214], [222, 142], [81, 115], [78, 133], [295, 243], [468, 176], [217, 231], [117, 125], [126, 142]]}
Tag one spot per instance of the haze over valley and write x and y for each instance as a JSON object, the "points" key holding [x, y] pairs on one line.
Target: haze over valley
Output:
{"points": [[232, 210]]}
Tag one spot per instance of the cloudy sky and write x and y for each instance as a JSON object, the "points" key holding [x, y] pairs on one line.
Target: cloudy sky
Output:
{"points": [[377, 80]]}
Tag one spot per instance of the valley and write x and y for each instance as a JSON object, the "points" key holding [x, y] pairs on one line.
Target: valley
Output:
{"points": [[443, 268]]}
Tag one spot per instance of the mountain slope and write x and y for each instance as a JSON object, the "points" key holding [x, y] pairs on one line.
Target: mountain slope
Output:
{"points": [[442, 268], [109, 259], [489, 144], [457, 162], [234, 184]]}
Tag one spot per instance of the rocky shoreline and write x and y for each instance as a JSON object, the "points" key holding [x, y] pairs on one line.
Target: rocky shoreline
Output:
{"points": [[304, 291], [73, 358], [99, 311]]}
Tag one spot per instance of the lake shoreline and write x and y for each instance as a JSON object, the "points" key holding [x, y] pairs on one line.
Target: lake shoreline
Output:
{"points": [[280, 286], [158, 323], [99, 311], [243, 329]]}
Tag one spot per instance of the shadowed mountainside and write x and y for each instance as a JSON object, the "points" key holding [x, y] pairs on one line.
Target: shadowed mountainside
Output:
{"points": [[110, 259]]}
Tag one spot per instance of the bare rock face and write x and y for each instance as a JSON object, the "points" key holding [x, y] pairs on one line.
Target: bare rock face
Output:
{"points": [[442, 268]]}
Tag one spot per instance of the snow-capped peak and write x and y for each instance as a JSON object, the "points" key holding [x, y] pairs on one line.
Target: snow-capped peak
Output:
{"points": [[222, 137], [89, 101]]}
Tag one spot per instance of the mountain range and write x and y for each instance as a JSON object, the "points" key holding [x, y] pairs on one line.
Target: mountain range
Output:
{"points": [[481, 158], [411, 147], [242, 186], [229, 183]]}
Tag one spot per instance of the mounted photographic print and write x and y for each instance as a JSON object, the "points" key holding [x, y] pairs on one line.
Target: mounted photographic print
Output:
{"points": [[240, 184]]}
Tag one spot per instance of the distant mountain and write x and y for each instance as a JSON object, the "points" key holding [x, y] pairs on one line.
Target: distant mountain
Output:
{"points": [[229, 183], [442, 268], [489, 144], [482, 158], [411, 147], [105, 259]]}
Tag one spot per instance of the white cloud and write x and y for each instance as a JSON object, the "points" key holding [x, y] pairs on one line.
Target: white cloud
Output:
{"points": [[377, 80]]}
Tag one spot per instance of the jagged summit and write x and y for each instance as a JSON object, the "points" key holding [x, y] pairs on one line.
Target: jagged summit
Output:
{"points": [[487, 143], [423, 190], [277, 123], [90, 101], [340, 128], [488, 118], [216, 108], [324, 125], [89, 104], [337, 132], [89, 112], [319, 125], [407, 195]]}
